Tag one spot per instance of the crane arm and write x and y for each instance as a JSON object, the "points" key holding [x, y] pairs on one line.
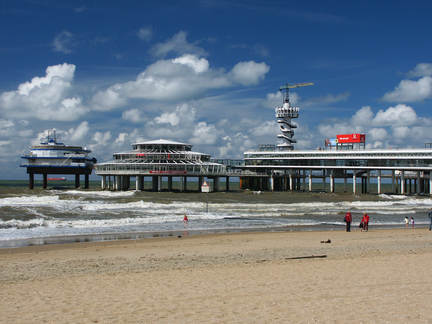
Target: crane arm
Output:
{"points": [[297, 85]]}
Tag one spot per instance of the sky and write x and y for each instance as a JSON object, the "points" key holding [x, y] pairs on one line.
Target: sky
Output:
{"points": [[106, 74]]}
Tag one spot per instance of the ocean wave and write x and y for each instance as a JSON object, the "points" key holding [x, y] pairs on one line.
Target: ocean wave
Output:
{"points": [[107, 194]]}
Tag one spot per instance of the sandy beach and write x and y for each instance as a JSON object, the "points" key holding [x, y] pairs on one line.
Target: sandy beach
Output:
{"points": [[382, 276]]}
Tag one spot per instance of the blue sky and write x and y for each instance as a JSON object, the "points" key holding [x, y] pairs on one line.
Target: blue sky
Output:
{"points": [[109, 73]]}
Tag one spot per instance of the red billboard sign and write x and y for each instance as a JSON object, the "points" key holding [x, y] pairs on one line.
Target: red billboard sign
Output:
{"points": [[351, 138]]}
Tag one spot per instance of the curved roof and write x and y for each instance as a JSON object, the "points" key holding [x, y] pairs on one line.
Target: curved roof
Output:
{"points": [[159, 142]]}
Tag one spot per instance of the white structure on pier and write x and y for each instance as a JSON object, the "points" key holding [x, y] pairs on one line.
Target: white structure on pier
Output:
{"points": [[158, 159]]}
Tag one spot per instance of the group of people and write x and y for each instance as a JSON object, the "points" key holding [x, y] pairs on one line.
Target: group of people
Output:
{"points": [[409, 221], [364, 224]]}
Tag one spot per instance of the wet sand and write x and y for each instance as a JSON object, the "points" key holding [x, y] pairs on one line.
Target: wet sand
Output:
{"points": [[382, 276]]}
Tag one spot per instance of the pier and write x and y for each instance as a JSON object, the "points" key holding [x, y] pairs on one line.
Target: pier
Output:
{"points": [[408, 171]]}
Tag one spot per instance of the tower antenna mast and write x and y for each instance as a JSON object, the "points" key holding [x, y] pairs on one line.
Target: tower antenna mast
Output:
{"points": [[284, 115]]}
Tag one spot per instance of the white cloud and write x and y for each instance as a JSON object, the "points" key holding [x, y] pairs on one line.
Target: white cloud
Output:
{"points": [[63, 42], [398, 115], [249, 73], [411, 91], [184, 78], [421, 70], [363, 116], [101, 138], [133, 115], [168, 118], [45, 98], [204, 134], [397, 126], [198, 65], [121, 138], [268, 128], [178, 45], [78, 134], [145, 33]]}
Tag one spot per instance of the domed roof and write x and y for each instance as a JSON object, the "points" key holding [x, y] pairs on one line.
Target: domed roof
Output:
{"points": [[160, 142]]}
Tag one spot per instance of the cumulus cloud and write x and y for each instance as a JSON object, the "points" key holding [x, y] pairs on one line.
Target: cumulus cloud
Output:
{"points": [[249, 73], [398, 115], [102, 138], [63, 42], [45, 98], [421, 70], [396, 126], [145, 33], [197, 64], [363, 116], [411, 90], [133, 115], [183, 78], [178, 45], [79, 133]]}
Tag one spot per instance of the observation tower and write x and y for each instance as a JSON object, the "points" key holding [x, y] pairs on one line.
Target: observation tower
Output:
{"points": [[284, 115]]}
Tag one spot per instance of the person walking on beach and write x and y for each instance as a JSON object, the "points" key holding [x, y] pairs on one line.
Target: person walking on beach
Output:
{"points": [[185, 220], [348, 220], [365, 222], [430, 218], [406, 221], [412, 221]]}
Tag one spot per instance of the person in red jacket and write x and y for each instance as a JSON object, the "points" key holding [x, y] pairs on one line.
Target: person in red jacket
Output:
{"points": [[348, 220], [365, 221]]}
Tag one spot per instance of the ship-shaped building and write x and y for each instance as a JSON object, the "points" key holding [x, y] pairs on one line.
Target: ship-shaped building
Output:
{"points": [[53, 157]]}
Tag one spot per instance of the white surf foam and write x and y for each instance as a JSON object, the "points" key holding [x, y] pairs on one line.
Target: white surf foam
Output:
{"points": [[108, 194]]}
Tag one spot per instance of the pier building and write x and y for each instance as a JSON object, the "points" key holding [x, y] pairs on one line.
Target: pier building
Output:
{"points": [[53, 157], [407, 170], [280, 167], [159, 160]]}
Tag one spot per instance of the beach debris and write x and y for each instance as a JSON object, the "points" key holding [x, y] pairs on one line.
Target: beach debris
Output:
{"points": [[328, 241], [308, 257], [179, 236]]}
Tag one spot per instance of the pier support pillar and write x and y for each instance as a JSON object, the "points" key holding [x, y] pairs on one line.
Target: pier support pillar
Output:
{"points": [[367, 181], [86, 181], [77, 180], [418, 183], [103, 182], [139, 183], [45, 180], [304, 180], [310, 180], [324, 180], [159, 183], [185, 183], [170, 188], [430, 184], [31, 180], [216, 184], [345, 181], [227, 183], [379, 182], [331, 181], [354, 182], [118, 180], [291, 187], [200, 182], [271, 179], [402, 183], [393, 181]]}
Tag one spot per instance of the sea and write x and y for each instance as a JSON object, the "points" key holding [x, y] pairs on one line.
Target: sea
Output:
{"points": [[62, 214]]}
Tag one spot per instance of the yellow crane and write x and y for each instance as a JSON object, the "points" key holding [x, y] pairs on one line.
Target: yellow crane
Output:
{"points": [[288, 86]]}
